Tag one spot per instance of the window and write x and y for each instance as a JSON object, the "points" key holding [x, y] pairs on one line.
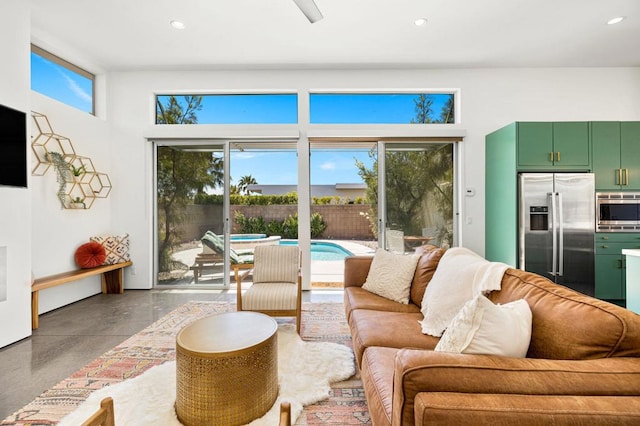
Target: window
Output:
{"points": [[61, 80], [382, 108], [277, 108]]}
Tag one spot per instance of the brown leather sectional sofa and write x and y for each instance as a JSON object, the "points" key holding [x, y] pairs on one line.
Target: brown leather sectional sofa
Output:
{"points": [[582, 366]]}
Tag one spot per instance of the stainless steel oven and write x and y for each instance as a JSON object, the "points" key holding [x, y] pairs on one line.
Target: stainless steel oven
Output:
{"points": [[618, 211]]}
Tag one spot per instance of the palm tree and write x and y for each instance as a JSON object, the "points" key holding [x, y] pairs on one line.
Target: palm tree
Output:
{"points": [[244, 182]]}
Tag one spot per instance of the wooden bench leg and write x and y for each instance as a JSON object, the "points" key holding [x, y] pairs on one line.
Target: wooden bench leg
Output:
{"points": [[34, 310], [112, 281]]}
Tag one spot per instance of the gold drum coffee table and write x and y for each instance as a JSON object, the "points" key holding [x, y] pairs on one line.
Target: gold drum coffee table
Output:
{"points": [[226, 369]]}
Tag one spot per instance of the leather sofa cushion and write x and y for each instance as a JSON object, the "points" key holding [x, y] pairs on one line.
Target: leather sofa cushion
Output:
{"points": [[387, 329], [359, 298], [377, 367], [427, 265], [524, 410], [568, 324]]}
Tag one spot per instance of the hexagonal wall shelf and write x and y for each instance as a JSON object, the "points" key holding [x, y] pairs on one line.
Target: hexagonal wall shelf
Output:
{"points": [[80, 183]]}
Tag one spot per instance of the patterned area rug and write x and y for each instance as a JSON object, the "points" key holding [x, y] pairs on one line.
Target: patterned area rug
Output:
{"points": [[156, 344]]}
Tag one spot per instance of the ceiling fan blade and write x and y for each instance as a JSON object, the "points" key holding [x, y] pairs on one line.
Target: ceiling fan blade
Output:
{"points": [[310, 10]]}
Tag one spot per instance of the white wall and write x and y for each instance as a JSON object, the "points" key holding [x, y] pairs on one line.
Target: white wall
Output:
{"points": [[490, 98], [58, 232], [15, 204]]}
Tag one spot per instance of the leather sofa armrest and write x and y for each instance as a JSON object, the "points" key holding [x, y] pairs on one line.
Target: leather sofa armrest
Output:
{"points": [[418, 371], [356, 269]]}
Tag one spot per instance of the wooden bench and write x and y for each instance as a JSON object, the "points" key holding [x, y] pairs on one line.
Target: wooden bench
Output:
{"points": [[112, 279]]}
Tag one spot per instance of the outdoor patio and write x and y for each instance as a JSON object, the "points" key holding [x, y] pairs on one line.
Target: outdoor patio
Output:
{"points": [[324, 273]]}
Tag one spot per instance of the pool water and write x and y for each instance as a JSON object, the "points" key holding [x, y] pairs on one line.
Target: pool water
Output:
{"points": [[243, 237], [323, 251]]}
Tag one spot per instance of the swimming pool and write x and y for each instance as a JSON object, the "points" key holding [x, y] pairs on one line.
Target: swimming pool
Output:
{"points": [[321, 250]]}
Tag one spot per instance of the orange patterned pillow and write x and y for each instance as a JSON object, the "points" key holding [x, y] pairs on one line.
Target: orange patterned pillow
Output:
{"points": [[90, 255]]}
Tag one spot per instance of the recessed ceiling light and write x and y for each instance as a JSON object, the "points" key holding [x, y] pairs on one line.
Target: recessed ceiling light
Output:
{"points": [[420, 22], [616, 20], [178, 25]]}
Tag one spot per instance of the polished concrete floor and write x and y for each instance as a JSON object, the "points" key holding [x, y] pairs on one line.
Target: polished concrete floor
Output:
{"points": [[74, 335]]}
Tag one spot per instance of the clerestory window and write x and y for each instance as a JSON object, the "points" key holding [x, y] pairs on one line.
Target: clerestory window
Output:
{"points": [[61, 80]]}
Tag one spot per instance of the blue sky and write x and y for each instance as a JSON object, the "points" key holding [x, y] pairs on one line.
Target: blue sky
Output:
{"points": [[280, 168], [272, 168]]}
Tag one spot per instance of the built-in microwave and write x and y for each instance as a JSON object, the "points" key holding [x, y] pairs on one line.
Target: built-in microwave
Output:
{"points": [[618, 211]]}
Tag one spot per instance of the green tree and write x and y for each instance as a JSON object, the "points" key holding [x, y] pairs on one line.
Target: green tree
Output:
{"points": [[423, 107], [413, 177], [424, 110], [181, 175], [447, 114], [244, 182]]}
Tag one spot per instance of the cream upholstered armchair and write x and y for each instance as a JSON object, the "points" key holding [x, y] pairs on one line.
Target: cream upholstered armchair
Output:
{"points": [[277, 285]]}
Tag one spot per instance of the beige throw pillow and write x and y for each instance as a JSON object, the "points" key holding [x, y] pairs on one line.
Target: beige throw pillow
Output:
{"points": [[115, 246], [390, 275], [483, 328]]}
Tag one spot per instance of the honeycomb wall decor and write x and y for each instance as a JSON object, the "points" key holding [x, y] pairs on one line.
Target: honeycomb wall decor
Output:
{"points": [[79, 183]]}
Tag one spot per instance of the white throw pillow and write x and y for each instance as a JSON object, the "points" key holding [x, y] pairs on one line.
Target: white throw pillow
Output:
{"points": [[460, 276], [390, 275], [483, 328]]}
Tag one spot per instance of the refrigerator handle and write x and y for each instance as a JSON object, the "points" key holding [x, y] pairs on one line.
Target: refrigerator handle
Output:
{"points": [[554, 235], [560, 236]]}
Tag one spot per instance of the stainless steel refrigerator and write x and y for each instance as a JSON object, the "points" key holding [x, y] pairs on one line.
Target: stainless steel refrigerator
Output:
{"points": [[556, 223]]}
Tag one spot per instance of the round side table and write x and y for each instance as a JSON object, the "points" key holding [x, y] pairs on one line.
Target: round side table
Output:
{"points": [[226, 369]]}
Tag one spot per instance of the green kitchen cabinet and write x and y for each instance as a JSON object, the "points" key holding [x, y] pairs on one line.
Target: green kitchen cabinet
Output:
{"points": [[557, 146], [616, 155], [610, 276], [501, 196]]}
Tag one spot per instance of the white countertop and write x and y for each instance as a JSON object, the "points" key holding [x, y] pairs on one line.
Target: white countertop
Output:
{"points": [[631, 252]]}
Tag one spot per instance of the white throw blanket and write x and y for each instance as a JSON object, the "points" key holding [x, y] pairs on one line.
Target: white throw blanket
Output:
{"points": [[460, 276]]}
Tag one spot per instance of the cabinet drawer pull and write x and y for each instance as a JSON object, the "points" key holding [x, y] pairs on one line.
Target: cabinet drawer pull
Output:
{"points": [[626, 177], [605, 246], [619, 263], [551, 157], [558, 156], [605, 238], [619, 180]]}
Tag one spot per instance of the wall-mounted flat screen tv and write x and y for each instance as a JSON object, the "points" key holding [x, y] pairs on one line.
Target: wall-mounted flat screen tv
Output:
{"points": [[13, 147]]}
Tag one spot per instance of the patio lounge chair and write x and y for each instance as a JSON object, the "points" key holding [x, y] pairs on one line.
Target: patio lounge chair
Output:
{"points": [[213, 252]]}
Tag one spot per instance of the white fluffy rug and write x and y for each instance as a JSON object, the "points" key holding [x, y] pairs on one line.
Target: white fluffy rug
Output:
{"points": [[305, 371]]}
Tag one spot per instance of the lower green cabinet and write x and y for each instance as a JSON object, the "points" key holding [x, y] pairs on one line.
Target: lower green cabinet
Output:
{"points": [[610, 265], [610, 277]]}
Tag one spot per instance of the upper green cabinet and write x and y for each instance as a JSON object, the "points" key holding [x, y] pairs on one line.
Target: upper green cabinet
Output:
{"points": [[553, 146], [616, 155]]}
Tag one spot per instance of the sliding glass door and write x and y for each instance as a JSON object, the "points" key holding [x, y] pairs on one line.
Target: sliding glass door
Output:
{"points": [[416, 195], [190, 215]]}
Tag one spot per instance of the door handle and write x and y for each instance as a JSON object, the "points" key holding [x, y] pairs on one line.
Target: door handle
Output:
{"points": [[605, 246], [551, 156], [619, 181], [558, 156], [560, 233], [554, 235], [619, 263], [626, 177]]}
